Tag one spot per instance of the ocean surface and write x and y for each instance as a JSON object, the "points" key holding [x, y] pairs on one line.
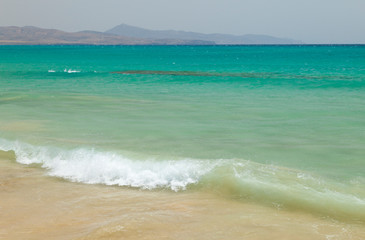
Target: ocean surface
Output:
{"points": [[281, 126]]}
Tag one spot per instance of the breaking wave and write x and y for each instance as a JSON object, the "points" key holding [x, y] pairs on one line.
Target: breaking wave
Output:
{"points": [[237, 178]]}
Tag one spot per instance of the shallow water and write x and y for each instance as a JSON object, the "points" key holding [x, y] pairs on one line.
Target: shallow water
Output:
{"points": [[280, 127], [34, 206]]}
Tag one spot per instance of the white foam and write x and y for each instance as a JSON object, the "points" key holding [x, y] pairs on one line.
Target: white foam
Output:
{"points": [[264, 183], [90, 166], [70, 71], [51, 71]]}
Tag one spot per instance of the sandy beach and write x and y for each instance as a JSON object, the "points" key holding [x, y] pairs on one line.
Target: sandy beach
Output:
{"points": [[193, 142], [182, 120], [36, 206]]}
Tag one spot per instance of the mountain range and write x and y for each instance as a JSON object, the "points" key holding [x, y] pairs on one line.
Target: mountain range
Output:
{"points": [[127, 35], [131, 31]]}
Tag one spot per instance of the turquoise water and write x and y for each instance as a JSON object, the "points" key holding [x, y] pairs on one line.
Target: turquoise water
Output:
{"points": [[278, 125]]}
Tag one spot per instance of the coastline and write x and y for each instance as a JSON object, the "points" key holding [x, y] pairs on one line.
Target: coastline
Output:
{"points": [[36, 206], [182, 149]]}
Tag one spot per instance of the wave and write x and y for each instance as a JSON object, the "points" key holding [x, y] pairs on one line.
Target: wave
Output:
{"points": [[65, 71], [93, 167], [237, 178], [71, 71]]}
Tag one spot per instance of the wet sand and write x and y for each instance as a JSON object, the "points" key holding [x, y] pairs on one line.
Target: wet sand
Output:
{"points": [[35, 206]]}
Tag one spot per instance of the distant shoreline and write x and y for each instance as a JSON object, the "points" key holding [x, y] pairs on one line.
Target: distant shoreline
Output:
{"points": [[129, 35], [125, 35]]}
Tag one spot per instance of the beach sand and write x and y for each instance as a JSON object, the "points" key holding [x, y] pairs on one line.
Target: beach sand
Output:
{"points": [[36, 206]]}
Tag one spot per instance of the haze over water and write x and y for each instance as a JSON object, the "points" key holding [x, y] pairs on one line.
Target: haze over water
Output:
{"points": [[281, 126]]}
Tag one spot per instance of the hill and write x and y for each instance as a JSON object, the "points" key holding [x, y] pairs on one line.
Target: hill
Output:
{"points": [[38, 36], [137, 32]]}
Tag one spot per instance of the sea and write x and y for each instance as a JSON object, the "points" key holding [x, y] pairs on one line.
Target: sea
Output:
{"points": [[278, 127]]}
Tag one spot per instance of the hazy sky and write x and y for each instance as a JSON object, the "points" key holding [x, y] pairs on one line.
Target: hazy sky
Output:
{"points": [[312, 21]]}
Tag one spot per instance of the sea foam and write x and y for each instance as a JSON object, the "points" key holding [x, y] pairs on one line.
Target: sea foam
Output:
{"points": [[97, 167], [277, 186], [71, 71]]}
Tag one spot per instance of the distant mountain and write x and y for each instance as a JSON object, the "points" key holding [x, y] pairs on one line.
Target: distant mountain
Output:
{"points": [[34, 36], [128, 35], [137, 32]]}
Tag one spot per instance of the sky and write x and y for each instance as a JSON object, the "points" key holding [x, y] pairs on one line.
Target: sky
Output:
{"points": [[311, 21]]}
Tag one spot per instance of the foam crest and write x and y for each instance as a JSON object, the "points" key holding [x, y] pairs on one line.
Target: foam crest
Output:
{"points": [[95, 167], [273, 185], [71, 71], [65, 71]]}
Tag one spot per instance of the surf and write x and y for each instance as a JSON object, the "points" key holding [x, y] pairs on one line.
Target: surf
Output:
{"points": [[239, 179]]}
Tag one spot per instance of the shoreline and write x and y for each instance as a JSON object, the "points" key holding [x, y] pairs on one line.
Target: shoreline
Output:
{"points": [[36, 206]]}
